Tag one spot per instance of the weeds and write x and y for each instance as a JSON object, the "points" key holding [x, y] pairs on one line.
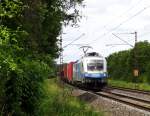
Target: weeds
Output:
{"points": [[59, 102]]}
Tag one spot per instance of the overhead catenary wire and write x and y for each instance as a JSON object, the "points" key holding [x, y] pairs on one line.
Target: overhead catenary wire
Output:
{"points": [[68, 55], [132, 7], [139, 12], [116, 27], [123, 40], [74, 40], [93, 41], [71, 43], [122, 14], [115, 44], [128, 10], [79, 44]]}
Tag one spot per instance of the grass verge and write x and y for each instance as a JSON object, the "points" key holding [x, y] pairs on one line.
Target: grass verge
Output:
{"points": [[140, 86], [59, 102]]}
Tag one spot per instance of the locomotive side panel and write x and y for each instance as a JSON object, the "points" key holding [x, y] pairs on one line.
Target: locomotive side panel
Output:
{"points": [[77, 72], [74, 71]]}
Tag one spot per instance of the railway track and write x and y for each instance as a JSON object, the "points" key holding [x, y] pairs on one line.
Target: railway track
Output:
{"points": [[128, 90], [137, 102]]}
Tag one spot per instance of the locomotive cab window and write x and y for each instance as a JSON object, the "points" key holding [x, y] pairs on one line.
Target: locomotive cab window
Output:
{"points": [[95, 65]]}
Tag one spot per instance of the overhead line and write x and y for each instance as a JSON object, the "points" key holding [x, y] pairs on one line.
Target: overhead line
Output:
{"points": [[133, 6], [74, 40], [79, 44], [123, 40], [139, 12], [131, 17], [115, 44]]}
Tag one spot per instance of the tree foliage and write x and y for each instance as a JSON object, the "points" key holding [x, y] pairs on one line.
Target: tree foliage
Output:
{"points": [[28, 47], [122, 64]]}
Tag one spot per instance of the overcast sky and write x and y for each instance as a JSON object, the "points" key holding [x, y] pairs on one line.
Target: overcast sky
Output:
{"points": [[100, 19]]}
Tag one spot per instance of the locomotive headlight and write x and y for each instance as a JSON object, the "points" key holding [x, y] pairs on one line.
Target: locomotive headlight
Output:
{"points": [[85, 74], [105, 74]]}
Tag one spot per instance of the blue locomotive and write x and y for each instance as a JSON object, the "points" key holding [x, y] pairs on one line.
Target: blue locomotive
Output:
{"points": [[89, 70]]}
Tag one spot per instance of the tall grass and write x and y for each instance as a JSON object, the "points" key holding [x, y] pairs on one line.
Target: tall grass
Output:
{"points": [[140, 86], [59, 102], [1, 96]]}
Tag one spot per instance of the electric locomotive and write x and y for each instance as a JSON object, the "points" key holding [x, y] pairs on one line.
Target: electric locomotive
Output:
{"points": [[90, 70]]}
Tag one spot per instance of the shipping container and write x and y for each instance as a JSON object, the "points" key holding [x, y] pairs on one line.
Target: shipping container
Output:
{"points": [[70, 71]]}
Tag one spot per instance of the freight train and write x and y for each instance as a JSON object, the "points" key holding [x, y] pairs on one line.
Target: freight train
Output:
{"points": [[90, 70]]}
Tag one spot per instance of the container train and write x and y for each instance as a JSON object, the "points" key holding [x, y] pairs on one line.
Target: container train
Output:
{"points": [[90, 70]]}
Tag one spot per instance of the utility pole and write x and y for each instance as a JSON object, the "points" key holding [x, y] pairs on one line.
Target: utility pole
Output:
{"points": [[136, 70], [135, 37], [61, 56], [61, 73]]}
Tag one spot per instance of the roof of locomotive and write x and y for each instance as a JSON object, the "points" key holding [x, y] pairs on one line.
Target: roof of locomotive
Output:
{"points": [[91, 55], [92, 58]]}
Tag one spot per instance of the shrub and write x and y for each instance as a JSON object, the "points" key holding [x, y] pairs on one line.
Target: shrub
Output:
{"points": [[24, 88]]}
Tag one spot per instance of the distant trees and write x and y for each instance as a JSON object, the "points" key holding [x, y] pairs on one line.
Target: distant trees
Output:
{"points": [[28, 47], [121, 64]]}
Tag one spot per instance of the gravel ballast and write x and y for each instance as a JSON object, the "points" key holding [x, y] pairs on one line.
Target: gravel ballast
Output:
{"points": [[110, 107]]}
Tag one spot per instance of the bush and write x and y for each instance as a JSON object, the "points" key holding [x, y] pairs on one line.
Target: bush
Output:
{"points": [[24, 88], [34, 74]]}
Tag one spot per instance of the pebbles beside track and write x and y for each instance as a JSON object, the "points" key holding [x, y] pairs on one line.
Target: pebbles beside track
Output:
{"points": [[136, 98], [143, 96], [114, 107], [132, 101], [123, 103]]}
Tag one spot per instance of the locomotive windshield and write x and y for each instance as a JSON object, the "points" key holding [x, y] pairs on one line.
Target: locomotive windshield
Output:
{"points": [[95, 65]]}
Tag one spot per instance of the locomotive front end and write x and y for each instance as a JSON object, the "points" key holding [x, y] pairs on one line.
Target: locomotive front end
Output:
{"points": [[95, 70]]}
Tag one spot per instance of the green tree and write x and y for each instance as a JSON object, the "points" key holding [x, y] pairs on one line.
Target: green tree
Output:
{"points": [[122, 64], [28, 47]]}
